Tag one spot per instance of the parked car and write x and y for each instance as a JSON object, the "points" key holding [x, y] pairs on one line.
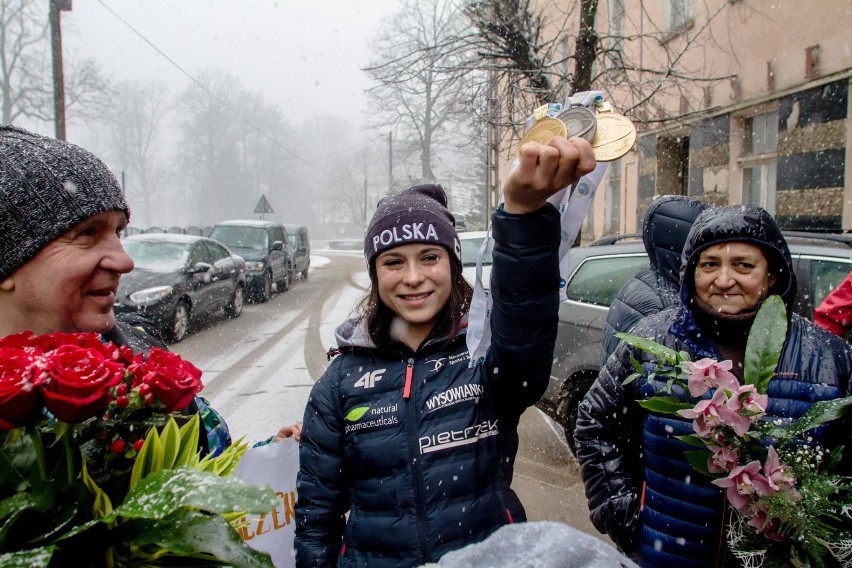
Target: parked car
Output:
{"points": [[301, 249], [599, 270], [180, 279], [265, 247], [471, 242]]}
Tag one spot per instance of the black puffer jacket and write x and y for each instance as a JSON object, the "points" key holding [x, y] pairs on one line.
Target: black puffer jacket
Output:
{"points": [[641, 490], [664, 230], [431, 473]]}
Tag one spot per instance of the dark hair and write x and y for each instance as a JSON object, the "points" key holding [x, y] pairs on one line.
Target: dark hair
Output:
{"points": [[379, 317]]}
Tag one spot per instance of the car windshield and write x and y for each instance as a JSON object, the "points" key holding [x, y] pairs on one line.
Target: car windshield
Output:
{"points": [[157, 256], [470, 250], [241, 237]]}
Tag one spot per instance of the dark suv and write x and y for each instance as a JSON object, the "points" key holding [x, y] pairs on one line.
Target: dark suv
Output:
{"points": [[598, 271], [264, 246]]}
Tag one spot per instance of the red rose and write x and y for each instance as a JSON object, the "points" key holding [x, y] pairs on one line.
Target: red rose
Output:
{"points": [[19, 379], [111, 352], [173, 381], [80, 381], [25, 340], [52, 341]]}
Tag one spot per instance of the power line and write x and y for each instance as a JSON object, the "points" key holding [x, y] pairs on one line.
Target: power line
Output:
{"points": [[248, 122]]}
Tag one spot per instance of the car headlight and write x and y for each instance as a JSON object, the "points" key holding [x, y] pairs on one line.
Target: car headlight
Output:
{"points": [[151, 295], [254, 266]]}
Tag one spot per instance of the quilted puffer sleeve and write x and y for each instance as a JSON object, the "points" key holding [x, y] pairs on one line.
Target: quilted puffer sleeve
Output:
{"points": [[636, 299], [321, 485], [525, 290], [607, 444]]}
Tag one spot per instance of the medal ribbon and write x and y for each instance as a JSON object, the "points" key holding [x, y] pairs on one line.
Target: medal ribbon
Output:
{"points": [[573, 207]]}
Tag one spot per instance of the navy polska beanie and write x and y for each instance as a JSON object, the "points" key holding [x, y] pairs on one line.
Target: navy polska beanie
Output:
{"points": [[418, 214], [46, 187]]}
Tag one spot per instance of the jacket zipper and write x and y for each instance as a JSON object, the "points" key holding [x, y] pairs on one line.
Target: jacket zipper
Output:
{"points": [[409, 375], [418, 466]]}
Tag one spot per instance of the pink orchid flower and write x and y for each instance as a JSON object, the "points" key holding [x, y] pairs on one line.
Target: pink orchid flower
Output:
{"points": [[748, 402], [764, 524], [743, 485], [778, 475], [707, 373], [722, 459], [710, 415]]}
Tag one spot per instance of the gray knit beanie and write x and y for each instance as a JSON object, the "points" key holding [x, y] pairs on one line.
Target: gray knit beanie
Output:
{"points": [[418, 214], [46, 187]]}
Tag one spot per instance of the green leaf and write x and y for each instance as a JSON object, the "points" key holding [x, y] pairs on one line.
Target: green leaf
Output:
{"points": [[356, 413], [149, 460], [664, 404], [189, 454], [637, 366], [661, 352], [698, 460], [194, 534], [170, 439], [820, 413], [692, 440], [102, 505], [17, 458], [17, 502], [11, 510], [226, 462], [765, 341], [630, 378], [163, 493], [32, 558]]}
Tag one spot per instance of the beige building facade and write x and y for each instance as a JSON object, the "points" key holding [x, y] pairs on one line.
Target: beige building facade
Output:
{"points": [[736, 101]]}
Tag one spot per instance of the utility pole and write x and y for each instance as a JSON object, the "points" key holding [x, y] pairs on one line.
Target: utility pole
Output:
{"points": [[57, 6], [390, 162]]}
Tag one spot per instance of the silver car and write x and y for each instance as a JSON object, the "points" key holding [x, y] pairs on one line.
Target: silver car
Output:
{"points": [[597, 272]]}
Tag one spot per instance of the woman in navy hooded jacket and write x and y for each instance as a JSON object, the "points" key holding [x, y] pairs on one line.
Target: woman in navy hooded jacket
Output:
{"points": [[401, 433], [642, 491]]}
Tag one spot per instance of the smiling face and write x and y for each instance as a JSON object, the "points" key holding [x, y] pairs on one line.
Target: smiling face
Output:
{"points": [[70, 284], [732, 277], [414, 282]]}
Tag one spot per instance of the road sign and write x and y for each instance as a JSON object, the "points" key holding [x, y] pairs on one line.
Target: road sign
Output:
{"points": [[263, 206]]}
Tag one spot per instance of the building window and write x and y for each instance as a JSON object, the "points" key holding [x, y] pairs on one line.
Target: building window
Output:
{"points": [[612, 199], [678, 14], [616, 24], [759, 159]]}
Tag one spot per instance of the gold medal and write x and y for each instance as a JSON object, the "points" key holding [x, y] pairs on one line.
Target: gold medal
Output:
{"points": [[615, 135], [542, 131]]}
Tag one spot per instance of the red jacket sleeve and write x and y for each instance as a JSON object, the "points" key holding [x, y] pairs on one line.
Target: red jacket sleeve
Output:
{"points": [[835, 311]]}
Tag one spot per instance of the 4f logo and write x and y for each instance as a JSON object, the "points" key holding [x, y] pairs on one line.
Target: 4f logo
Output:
{"points": [[368, 379]]}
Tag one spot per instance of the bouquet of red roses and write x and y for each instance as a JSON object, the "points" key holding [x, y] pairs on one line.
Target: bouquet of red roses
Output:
{"points": [[791, 504], [102, 463]]}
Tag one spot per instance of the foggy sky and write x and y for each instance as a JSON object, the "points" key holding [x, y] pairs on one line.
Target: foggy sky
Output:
{"points": [[304, 56]]}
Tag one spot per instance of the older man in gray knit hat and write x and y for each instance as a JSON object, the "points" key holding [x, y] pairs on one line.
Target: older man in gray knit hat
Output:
{"points": [[61, 213]]}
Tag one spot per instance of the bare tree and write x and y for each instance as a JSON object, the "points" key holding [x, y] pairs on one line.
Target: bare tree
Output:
{"points": [[23, 38], [582, 52], [231, 149], [25, 76], [208, 154], [261, 133], [421, 78], [134, 130]]}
